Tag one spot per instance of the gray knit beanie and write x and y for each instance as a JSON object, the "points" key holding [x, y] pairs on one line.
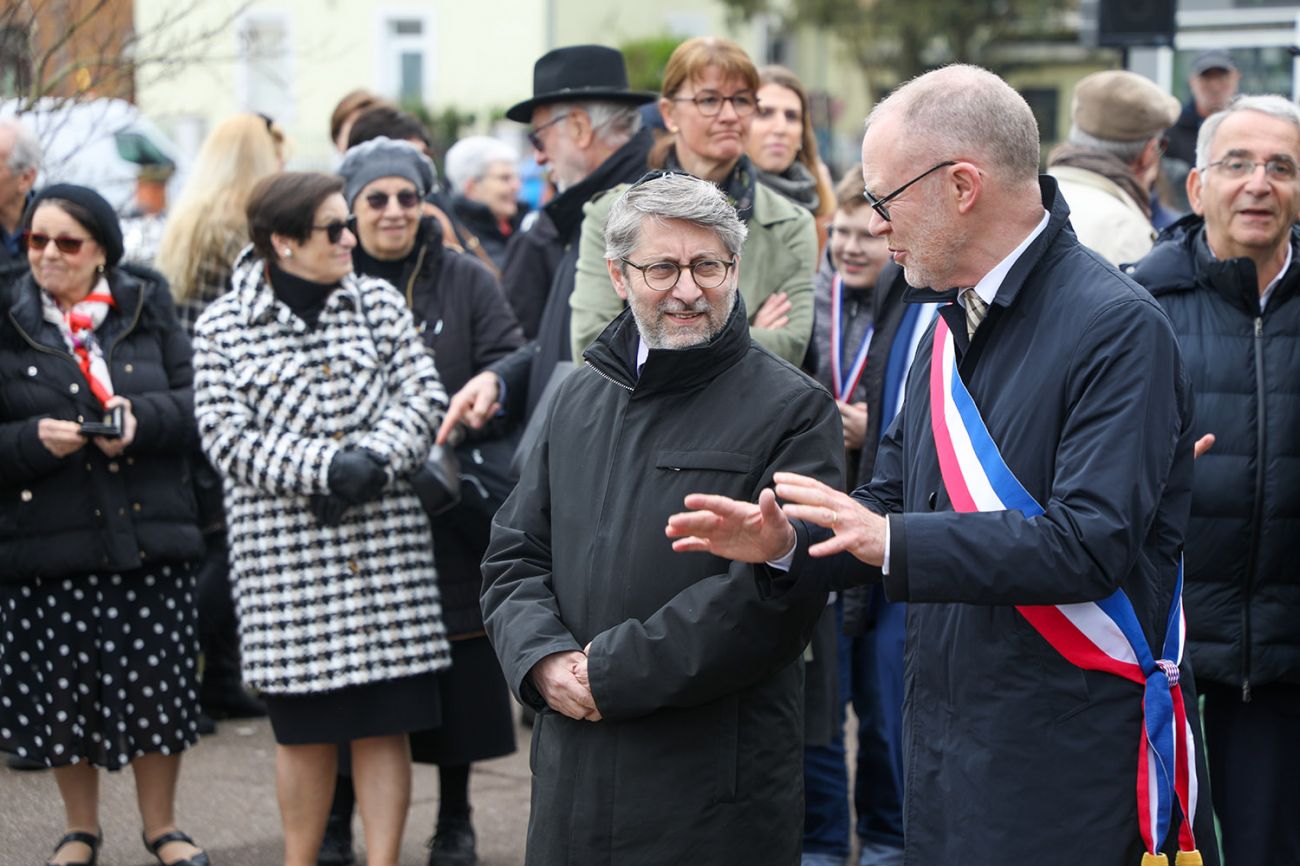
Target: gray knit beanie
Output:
{"points": [[384, 157]]}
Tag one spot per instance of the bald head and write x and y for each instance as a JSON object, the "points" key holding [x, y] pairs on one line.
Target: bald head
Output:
{"points": [[966, 112]]}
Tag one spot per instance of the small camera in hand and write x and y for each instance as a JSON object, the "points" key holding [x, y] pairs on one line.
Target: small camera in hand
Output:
{"points": [[110, 428]]}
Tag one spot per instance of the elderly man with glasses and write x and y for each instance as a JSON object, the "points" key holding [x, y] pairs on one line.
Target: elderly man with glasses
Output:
{"points": [[1229, 277], [669, 691], [1029, 503], [586, 130]]}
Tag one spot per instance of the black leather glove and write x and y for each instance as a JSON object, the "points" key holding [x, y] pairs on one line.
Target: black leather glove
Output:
{"points": [[327, 508], [357, 475]]}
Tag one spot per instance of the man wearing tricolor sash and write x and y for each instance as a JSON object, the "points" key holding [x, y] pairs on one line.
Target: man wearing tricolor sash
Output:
{"points": [[1029, 503]]}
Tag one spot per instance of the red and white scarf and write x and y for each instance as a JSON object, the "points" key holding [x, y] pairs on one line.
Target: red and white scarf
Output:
{"points": [[78, 325]]}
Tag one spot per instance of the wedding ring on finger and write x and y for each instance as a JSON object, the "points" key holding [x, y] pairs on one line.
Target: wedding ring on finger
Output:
{"points": [[835, 517]]}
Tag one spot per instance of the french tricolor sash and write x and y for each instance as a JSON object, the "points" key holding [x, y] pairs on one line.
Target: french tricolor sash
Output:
{"points": [[1100, 636]]}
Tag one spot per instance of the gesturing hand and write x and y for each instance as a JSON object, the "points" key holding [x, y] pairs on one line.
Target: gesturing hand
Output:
{"points": [[474, 404], [562, 680], [742, 531], [857, 530]]}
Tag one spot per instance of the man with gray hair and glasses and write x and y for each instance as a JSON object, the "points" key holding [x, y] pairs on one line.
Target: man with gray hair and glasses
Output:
{"points": [[20, 162], [669, 689], [1029, 503], [1228, 275]]}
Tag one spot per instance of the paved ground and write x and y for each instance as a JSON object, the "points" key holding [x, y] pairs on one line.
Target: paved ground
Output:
{"points": [[227, 802]]}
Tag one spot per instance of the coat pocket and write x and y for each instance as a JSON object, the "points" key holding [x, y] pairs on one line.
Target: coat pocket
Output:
{"points": [[718, 461]]}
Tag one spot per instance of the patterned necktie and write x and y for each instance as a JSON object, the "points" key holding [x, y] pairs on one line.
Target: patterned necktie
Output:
{"points": [[975, 310]]}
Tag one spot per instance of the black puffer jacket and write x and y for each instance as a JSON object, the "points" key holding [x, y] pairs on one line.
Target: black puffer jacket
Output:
{"points": [[463, 317], [87, 512], [1243, 542]]}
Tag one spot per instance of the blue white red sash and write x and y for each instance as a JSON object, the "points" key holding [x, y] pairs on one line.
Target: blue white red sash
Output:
{"points": [[1101, 636], [845, 383]]}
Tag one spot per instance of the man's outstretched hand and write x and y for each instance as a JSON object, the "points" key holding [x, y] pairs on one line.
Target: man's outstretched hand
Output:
{"points": [[858, 530], [741, 531]]}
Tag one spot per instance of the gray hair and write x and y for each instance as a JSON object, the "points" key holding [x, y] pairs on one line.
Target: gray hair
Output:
{"points": [[26, 152], [965, 110], [469, 158], [671, 197], [613, 122], [1126, 151], [1270, 104]]}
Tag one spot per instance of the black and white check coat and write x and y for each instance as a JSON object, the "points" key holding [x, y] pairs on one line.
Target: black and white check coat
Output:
{"points": [[321, 607]]}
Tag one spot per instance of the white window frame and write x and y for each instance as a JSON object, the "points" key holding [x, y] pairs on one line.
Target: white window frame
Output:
{"points": [[388, 49]]}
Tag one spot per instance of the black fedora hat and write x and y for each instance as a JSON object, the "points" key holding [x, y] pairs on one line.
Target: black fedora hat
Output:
{"points": [[578, 72]]}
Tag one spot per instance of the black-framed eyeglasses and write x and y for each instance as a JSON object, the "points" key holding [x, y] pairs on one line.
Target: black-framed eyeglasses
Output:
{"points": [[535, 134], [38, 241], [407, 199], [709, 102], [878, 204], [662, 276], [1237, 167], [333, 230]]}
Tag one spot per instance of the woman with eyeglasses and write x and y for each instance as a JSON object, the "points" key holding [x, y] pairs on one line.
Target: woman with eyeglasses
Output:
{"points": [[315, 400], [98, 527], [784, 148], [708, 104], [463, 318]]}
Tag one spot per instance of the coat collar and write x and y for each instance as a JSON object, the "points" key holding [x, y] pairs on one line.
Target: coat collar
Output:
{"points": [[666, 370], [261, 307], [624, 165], [128, 295], [1058, 217]]}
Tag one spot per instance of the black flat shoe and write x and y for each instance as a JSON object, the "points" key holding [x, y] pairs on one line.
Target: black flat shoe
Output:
{"points": [[88, 839], [453, 844], [199, 859]]}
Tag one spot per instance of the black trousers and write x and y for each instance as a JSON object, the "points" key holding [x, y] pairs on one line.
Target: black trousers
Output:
{"points": [[1254, 760]]}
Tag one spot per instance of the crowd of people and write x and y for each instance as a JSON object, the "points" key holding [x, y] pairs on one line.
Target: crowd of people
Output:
{"points": [[704, 450]]}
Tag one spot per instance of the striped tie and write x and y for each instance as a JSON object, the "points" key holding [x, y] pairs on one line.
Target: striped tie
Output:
{"points": [[975, 310]]}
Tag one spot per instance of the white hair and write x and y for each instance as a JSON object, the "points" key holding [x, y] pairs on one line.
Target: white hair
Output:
{"points": [[26, 151], [613, 122], [1270, 104], [469, 159]]}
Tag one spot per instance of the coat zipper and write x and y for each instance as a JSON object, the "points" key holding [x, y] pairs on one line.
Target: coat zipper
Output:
{"points": [[596, 370], [135, 320], [1261, 420]]}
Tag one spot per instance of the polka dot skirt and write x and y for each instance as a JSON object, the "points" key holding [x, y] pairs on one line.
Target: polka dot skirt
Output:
{"points": [[99, 668]]}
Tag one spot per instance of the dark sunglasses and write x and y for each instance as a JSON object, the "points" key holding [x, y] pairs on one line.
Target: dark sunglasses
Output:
{"points": [[333, 230], [37, 241], [407, 198]]}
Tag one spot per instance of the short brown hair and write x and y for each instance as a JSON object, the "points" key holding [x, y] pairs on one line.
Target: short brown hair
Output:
{"points": [[848, 192], [352, 103], [285, 203], [693, 56]]}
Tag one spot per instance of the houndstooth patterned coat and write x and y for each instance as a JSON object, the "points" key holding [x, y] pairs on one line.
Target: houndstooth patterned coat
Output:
{"points": [[321, 607]]}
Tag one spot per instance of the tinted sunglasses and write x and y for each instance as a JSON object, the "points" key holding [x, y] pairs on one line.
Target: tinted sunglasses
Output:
{"points": [[407, 198], [37, 241], [333, 230]]}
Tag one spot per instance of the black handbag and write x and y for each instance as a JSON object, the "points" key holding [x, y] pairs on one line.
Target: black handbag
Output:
{"points": [[437, 482]]}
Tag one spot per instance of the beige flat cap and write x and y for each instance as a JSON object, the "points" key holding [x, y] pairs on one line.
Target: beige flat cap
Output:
{"points": [[1122, 106]]}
